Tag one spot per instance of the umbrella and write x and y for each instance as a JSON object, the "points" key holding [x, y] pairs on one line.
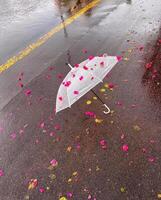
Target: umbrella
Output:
{"points": [[82, 78]]}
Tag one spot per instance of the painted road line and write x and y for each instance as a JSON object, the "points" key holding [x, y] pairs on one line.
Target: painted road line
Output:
{"points": [[13, 60]]}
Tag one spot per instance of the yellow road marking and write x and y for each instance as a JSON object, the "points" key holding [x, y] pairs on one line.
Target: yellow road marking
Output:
{"points": [[13, 60]]}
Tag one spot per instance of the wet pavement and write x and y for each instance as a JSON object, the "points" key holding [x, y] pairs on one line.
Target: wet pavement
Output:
{"points": [[71, 155]]}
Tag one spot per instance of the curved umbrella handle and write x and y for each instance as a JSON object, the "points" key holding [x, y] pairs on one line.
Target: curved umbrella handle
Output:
{"points": [[108, 110]]}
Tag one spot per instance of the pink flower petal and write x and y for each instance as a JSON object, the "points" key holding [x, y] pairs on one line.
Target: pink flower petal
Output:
{"points": [[27, 92], [1, 129], [151, 159], [54, 162], [51, 68], [32, 184], [90, 57], [84, 50], [85, 68], [103, 144], [69, 194], [81, 78], [119, 58], [42, 125], [102, 63], [20, 84], [67, 84], [76, 65], [90, 114], [125, 147], [57, 127], [141, 48], [149, 65], [1, 173], [110, 85], [76, 92], [60, 76], [13, 135], [60, 98], [41, 190], [122, 136]]}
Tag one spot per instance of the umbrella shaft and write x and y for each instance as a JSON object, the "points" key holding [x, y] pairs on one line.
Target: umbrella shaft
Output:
{"points": [[98, 97]]}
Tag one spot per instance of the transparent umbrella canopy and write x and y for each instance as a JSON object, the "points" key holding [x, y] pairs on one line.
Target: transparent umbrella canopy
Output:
{"points": [[83, 78]]}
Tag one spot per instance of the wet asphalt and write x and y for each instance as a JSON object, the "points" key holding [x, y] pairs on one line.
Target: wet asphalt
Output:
{"points": [[70, 155]]}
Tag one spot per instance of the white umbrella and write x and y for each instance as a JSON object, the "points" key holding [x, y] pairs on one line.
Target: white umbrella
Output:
{"points": [[82, 78]]}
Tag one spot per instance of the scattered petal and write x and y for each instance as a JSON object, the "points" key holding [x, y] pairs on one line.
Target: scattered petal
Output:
{"points": [[111, 86], [151, 159], [122, 189], [84, 50], [54, 163], [27, 92], [1, 173], [69, 194], [42, 125], [81, 78], [57, 127], [76, 92], [102, 63], [41, 190], [95, 98], [90, 114], [13, 135], [149, 65], [98, 120], [63, 198], [125, 147], [85, 68], [76, 65], [61, 98], [102, 90], [32, 184], [88, 102], [119, 58], [90, 57], [103, 144], [136, 128], [67, 84]]}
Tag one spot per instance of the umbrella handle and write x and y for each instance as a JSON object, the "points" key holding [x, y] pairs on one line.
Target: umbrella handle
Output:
{"points": [[108, 110]]}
